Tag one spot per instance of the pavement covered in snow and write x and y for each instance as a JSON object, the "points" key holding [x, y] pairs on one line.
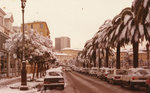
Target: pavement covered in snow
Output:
{"points": [[12, 86]]}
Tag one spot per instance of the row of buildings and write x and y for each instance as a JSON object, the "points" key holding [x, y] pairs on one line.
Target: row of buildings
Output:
{"points": [[6, 29], [9, 66]]}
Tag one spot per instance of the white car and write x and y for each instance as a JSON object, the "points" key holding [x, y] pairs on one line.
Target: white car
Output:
{"points": [[54, 79], [115, 75], [93, 71], [68, 69], [104, 73], [85, 70], [135, 77]]}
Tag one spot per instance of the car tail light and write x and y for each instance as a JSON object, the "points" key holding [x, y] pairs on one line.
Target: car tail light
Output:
{"points": [[46, 82], [147, 81], [117, 77], [134, 78]]}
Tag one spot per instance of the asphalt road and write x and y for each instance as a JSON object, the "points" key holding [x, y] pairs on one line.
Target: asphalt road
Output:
{"points": [[79, 83]]}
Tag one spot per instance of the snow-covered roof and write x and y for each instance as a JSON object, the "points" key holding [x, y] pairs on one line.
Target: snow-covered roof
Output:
{"points": [[72, 49], [61, 54], [9, 16]]}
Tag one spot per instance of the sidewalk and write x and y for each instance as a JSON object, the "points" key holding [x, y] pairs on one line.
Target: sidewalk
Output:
{"points": [[14, 87], [6, 81]]}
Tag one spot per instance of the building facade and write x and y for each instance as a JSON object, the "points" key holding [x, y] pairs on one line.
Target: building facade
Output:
{"points": [[71, 51], [62, 42], [7, 62], [40, 27]]}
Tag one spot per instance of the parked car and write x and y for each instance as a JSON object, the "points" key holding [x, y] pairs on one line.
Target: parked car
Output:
{"points": [[148, 85], [54, 79], [93, 71], [135, 77], [84, 70], [68, 69], [104, 73], [115, 75], [98, 73]]}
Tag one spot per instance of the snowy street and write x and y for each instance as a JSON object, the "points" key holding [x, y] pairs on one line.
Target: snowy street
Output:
{"points": [[78, 83], [75, 83], [74, 46]]}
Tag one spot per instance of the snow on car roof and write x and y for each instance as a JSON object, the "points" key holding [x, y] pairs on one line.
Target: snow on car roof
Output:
{"points": [[47, 76], [136, 69], [59, 69]]}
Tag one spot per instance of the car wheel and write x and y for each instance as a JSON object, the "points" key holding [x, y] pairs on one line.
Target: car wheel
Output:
{"points": [[131, 85], [121, 84], [45, 88], [148, 89], [111, 81], [62, 87]]}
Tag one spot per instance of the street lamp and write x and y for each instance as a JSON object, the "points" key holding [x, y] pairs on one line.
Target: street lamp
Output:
{"points": [[147, 47], [23, 71]]}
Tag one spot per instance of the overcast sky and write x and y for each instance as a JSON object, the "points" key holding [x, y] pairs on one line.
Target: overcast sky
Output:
{"points": [[77, 19]]}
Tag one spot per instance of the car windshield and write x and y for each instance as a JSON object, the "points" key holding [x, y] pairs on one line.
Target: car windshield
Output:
{"points": [[110, 71], [94, 69], [54, 74], [121, 72]]}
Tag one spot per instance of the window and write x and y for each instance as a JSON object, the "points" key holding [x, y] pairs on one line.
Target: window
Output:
{"points": [[41, 25], [3, 45], [1, 20], [31, 26], [53, 74]]}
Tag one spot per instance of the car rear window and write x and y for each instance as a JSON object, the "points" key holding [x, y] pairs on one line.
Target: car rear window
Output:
{"points": [[110, 71], [54, 74], [142, 72], [121, 72]]}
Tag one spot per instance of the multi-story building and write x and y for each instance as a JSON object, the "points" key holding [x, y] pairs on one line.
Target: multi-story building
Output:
{"points": [[66, 55], [63, 58], [71, 51], [62, 42], [40, 27], [6, 66], [57, 44], [126, 57]]}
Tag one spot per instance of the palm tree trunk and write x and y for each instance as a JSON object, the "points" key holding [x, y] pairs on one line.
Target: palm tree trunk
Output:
{"points": [[107, 56], [99, 59], [94, 61], [135, 54], [118, 56]]}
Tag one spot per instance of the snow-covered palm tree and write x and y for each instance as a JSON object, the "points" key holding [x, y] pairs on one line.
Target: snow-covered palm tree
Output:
{"points": [[138, 26], [140, 9], [103, 38], [118, 35]]}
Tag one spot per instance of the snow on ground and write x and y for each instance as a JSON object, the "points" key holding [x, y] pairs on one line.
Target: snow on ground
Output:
{"points": [[3, 80], [32, 85], [8, 90]]}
